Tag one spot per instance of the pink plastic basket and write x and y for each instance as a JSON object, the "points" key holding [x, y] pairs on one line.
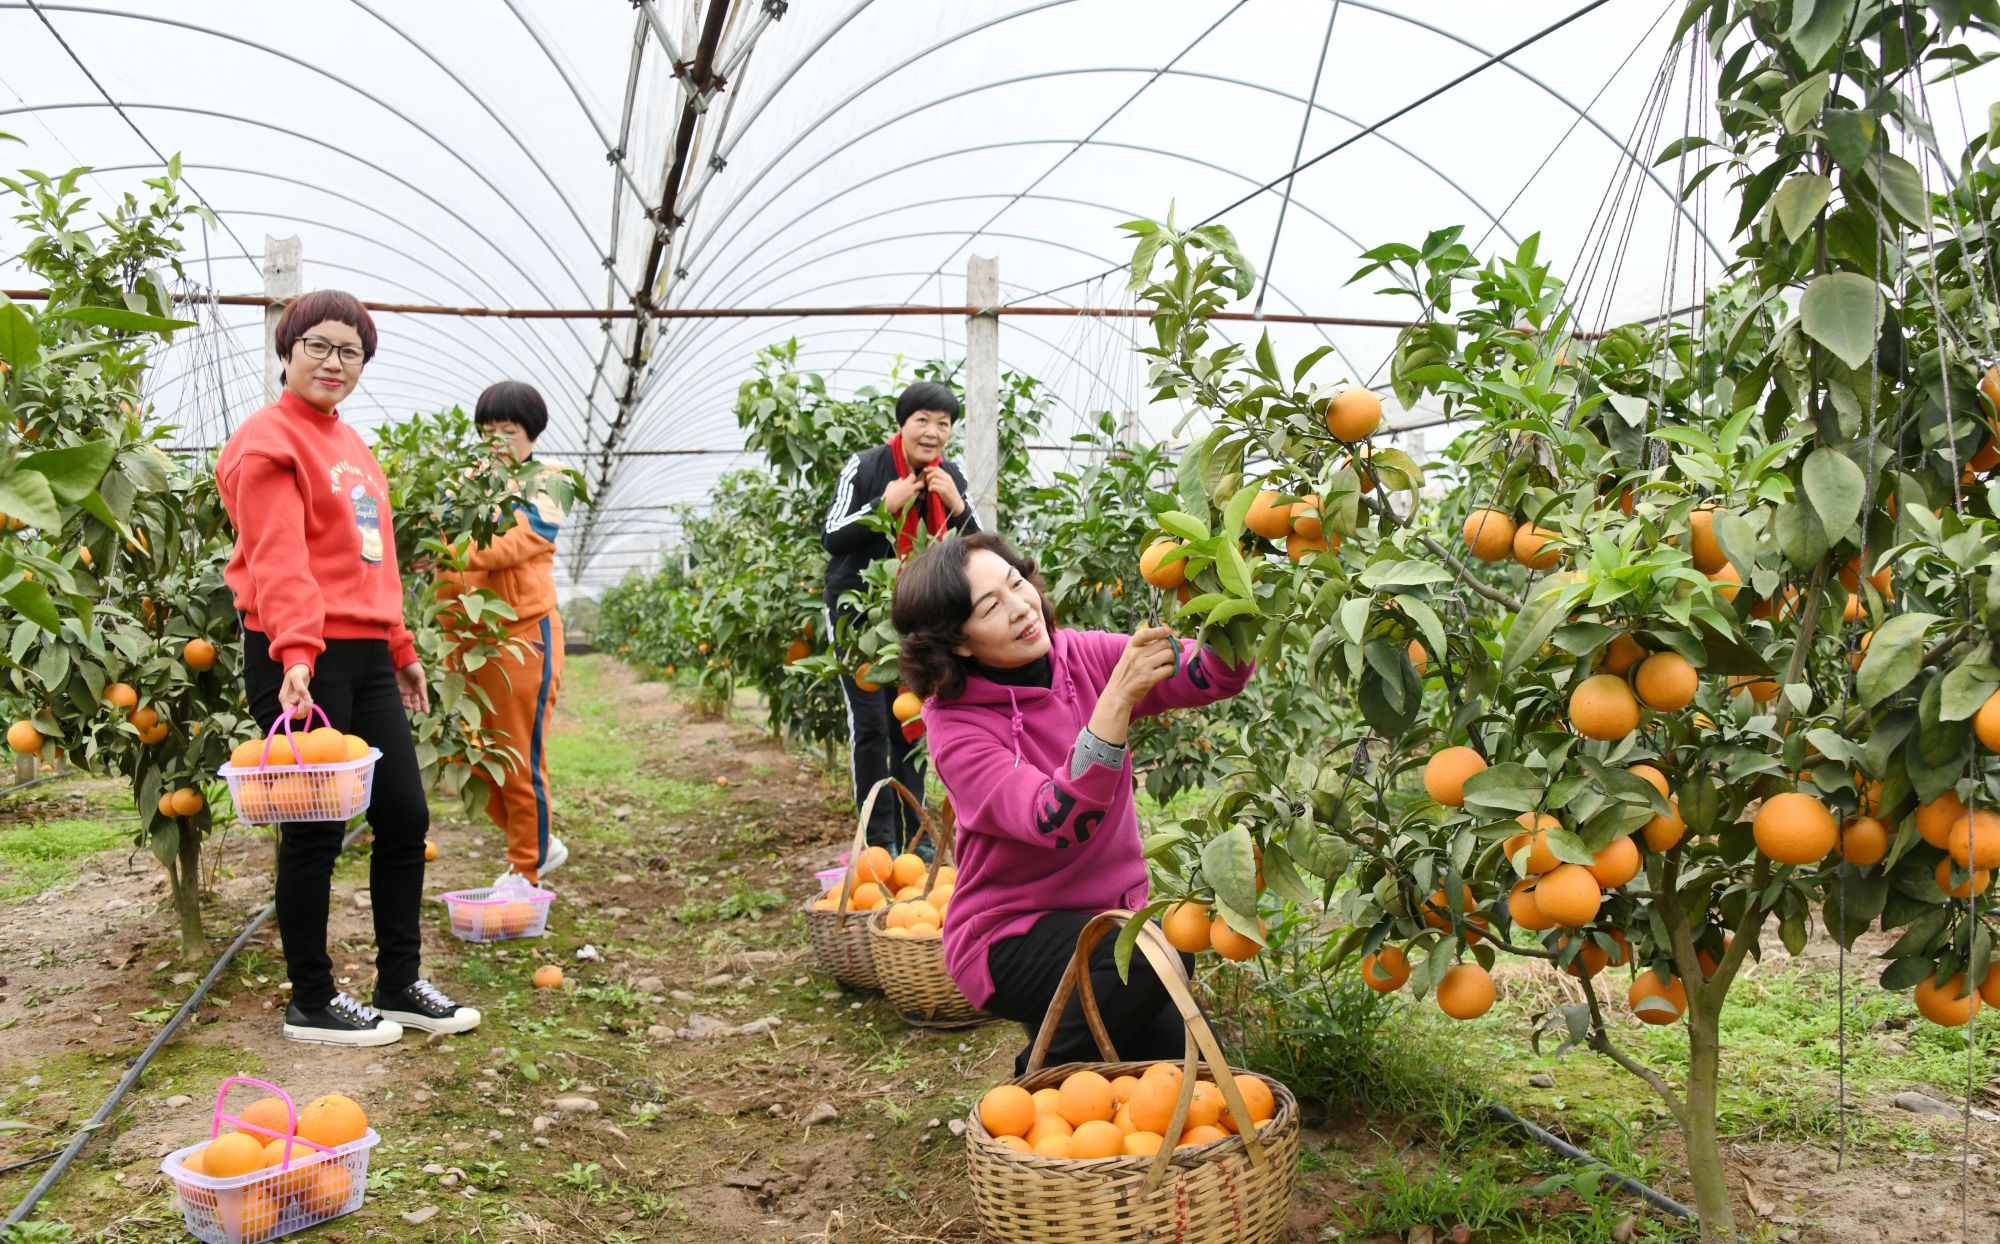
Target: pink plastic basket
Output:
{"points": [[273, 794], [310, 1184], [495, 915]]}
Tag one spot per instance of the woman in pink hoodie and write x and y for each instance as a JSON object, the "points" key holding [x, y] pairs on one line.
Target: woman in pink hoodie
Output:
{"points": [[1027, 727]]}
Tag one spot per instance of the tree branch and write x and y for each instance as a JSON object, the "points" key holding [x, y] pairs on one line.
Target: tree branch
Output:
{"points": [[1466, 576], [1600, 1040], [1803, 642]]}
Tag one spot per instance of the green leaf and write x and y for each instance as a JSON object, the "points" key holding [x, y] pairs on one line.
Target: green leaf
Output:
{"points": [[1902, 188], [1849, 135], [73, 473], [1843, 312], [1283, 879], [26, 495], [1799, 202], [1835, 487], [1737, 538], [121, 320], [1243, 274], [1503, 790], [1894, 656], [1801, 105], [1816, 27], [1142, 260], [1390, 463], [1966, 688], [1320, 853], [1403, 574], [30, 599], [1800, 535], [1239, 505], [1229, 862], [1182, 524], [20, 344], [1531, 628], [1128, 937]]}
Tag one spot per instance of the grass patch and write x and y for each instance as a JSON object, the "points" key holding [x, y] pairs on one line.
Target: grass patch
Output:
{"points": [[34, 857]]}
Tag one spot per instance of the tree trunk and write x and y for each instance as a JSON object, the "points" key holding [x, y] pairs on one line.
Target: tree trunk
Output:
{"points": [[185, 877], [1704, 1152]]}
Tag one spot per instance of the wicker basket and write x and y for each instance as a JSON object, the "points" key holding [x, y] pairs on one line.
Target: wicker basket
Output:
{"points": [[840, 941], [1238, 1189], [912, 969]]}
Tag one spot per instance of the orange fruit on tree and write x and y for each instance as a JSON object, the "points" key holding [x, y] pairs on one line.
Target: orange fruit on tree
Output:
{"points": [[1306, 517], [1763, 690], [1949, 1005], [1935, 819], [186, 801], [1524, 911], [1666, 682], [1569, 895], [908, 704], [333, 1120], [1795, 828], [1230, 944], [1975, 840], [1186, 925], [1268, 517], [1096, 1139], [1989, 989], [1540, 858], [1446, 772], [796, 651], [1616, 864], [1864, 842], [269, 1113], [1353, 414], [121, 695], [1007, 1110], [1299, 546], [1666, 828], [232, 1154], [1648, 984], [1602, 707], [1620, 655], [860, 677], [199, 654], [1884, 577], [1974, 884], [1536, 547], [24, 738], [1385, 970], [1085, 1096], [1703, 546], [1489, 534], [1151, 569], [143, 719], [1728, 582], [1592, 958], [1418, 657], [1465, 991], [1652, 775]]}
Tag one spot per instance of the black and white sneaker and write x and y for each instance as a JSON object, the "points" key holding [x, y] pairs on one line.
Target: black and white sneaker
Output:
{"points": [[343, 1021], [423, 1006]]}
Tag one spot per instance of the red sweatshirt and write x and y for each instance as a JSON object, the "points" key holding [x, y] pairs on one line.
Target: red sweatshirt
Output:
{"points": [[315, 557]]}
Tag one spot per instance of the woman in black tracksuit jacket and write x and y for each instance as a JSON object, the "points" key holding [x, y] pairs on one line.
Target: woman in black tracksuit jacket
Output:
{"points": [[906, 476]]}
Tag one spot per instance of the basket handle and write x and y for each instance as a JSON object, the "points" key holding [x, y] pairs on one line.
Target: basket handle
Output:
{"points": [[291, 1118], [924, 825], [1202, 1046], [285, 722]]}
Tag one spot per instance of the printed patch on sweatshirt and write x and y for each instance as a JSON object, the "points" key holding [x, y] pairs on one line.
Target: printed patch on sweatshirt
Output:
{"points": [[364, 499]]}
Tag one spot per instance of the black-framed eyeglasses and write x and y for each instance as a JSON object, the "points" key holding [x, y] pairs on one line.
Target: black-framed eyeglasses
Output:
{"points": [[320, 347]]}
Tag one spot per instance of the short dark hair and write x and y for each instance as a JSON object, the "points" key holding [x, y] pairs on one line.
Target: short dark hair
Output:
{"points": [[926, 395], [513, 401], [310, 310], [932, 601]]}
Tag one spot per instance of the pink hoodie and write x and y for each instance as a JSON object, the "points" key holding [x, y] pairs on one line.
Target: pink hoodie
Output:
{"points": [[1031, 839]]}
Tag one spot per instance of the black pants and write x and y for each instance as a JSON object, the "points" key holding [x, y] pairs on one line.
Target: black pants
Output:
{"points": [[878, 750], [1142, 1021], [354, 683]]}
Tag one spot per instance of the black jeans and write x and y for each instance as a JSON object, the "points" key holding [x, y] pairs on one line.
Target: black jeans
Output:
{"points": [[1142, 1021], [878, 750], [354, 683]]}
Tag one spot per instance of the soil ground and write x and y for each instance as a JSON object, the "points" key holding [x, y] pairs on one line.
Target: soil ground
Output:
{"points": [[687, 892]]}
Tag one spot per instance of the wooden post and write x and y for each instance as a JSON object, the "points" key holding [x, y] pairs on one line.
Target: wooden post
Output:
{"points": [[982, 389], [281, 282]]}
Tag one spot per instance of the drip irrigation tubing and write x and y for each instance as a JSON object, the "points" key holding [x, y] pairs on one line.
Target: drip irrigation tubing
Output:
{"points": [[1645, 1192], [84, 1134], [37, 781]]}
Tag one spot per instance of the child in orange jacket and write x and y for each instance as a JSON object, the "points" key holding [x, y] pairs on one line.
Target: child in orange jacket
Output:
{"points": [[519, 566]]}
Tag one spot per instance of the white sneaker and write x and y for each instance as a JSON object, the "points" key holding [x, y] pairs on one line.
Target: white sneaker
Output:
{"points": [[511, 880], [555, 857]]}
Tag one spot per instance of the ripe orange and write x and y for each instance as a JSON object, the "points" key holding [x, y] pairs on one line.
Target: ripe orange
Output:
{"points": [[908, 704], [1762, 690], [1186, 926], [1728, 582], [1974, 884], [548, 976], [280, 753], [232, 1154], [1975, 840], [1666, 682], [1703, 546], [1306, 517], [1536, 547], [1195, 1137], [1167, 576], [1569, 895], [876, 865], [1884, 577], [24, 738], [1299, 546], [1418, 657], [1602, 707], [1489, 534], [1230, 944], [860, 677], [199, 654], [186, 801], [1620, 655], [1013, 1142], [325, 1191], [1152, 1104], [1007, 1110], [143, 719], [1540, 858], [261, 1210], [333, 1120], [1143, 1144], [1795, 828], [1989, 989], [1657, 778], [1085, 1096], [1616, 864], [1446, 772], [121, 695], [1052, 1145], [866, 897], [1524, 911], [1386, 969], [1465, 991], [1649, 985], [1048, 1101], [430, 852], [157, 734], [1949, 1005], [1864, 842], [1256, 1096], [1935, 819], [1665, 829], [908, 869], [1097, 1139], [1354, 414], [1986, 723], [324, 746], [269, 1113], [1206, 1106], [1592, 958], [1047, 1125], [1267, 517], [1121, 1089]]}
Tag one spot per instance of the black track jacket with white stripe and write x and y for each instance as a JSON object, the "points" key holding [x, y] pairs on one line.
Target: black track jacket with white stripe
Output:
{"points": [[857, 494]]}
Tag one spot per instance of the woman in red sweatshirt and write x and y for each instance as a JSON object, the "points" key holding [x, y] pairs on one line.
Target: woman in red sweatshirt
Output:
{"points": [[314, 576]]}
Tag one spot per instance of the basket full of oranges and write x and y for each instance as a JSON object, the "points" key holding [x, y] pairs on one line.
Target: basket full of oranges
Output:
{"points": [[272, 1170], [837, 919], [906, 934], [499, 913], [318, 775], [1109, 1152]]}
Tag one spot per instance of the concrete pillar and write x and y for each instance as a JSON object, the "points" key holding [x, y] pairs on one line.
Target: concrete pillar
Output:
{"points": [[981, 433], [281, 282]]}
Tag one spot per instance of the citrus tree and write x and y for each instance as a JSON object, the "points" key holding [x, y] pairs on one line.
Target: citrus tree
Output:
{"points": [[1691, 639]]}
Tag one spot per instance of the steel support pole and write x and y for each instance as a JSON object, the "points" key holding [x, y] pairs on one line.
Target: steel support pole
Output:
{"points": [[982, 389], [281, 285]]}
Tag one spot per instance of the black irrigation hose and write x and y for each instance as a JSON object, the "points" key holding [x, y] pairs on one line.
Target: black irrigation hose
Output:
{"points": [[138, 1067], [37, 781], [27, 1162], [1652, 1196]]}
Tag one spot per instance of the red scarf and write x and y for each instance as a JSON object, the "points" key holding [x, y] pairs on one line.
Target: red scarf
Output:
{"points": [[933, 505]]}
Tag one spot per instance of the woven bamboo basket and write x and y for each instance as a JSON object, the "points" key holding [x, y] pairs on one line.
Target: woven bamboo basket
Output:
{"points": [[1236, 1190], [912, 969], [839, 938]]}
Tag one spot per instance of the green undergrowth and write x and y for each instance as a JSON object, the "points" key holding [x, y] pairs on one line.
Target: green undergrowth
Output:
{"points": [[37, 856]]}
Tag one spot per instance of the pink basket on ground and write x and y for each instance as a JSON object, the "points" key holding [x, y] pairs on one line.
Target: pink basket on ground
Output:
{"points": [[309, 1185], [272, 794], [491, 914]]}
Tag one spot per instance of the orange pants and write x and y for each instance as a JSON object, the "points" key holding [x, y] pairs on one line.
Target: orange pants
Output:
{"points": [[523, 691]]}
